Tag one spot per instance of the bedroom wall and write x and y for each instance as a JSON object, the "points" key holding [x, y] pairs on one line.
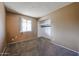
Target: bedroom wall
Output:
{"points": [[13, 28], [65, 26], [2, 27]]}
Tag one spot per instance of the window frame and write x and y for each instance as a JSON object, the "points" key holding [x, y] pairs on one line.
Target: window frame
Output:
{"points": [[21, 25]]}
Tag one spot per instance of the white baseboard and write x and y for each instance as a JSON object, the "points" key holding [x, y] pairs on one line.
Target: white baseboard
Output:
{"points": [[3, 52], [21, 41], [52, 42], [64, 47]]}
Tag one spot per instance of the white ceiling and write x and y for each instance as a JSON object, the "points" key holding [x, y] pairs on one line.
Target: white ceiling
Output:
{"points": [[34, 9]]}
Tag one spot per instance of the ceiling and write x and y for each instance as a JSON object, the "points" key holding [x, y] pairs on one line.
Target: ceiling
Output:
{"points": [[34, 9]]}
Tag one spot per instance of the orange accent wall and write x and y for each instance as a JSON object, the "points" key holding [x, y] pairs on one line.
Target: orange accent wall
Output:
{"points": [[13, 28]]}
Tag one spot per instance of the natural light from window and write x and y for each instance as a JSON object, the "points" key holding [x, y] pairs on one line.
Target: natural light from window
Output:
{"points": [[26, 25]]}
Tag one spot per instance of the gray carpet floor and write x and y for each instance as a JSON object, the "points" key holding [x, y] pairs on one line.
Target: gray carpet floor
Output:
{"points": [[37, 47]]}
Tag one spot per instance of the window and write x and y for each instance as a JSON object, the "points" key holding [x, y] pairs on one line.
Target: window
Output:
{"points": [[25, 25]]}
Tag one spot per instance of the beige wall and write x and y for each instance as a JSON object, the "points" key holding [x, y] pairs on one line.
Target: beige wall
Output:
{"points": [[13, 28], [65, 26], [2, 26]]}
